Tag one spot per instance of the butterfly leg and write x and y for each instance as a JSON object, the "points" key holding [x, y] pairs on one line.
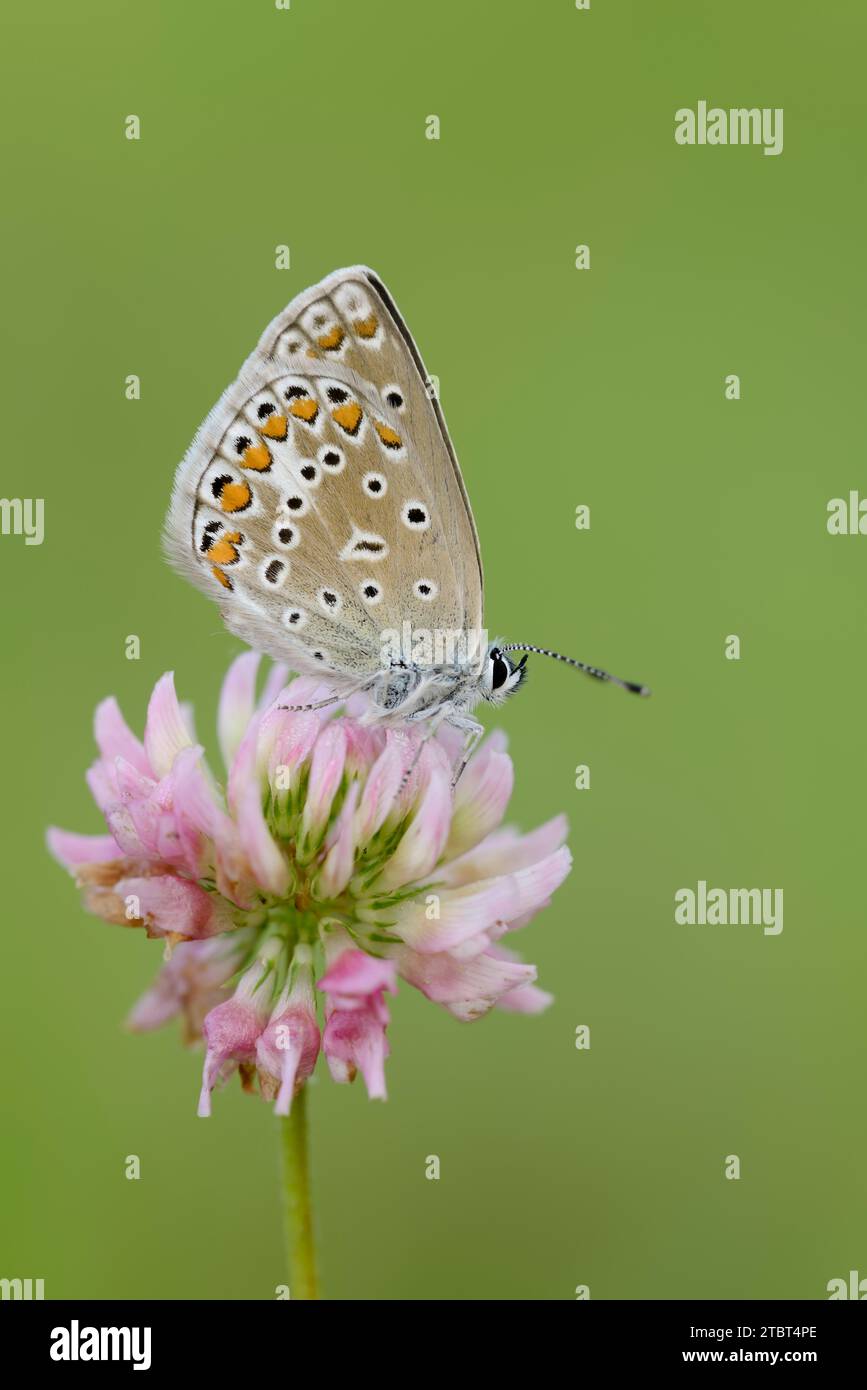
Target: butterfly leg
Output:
{"points": [[473, 732], [434, 724], [319, 704], [331, 700]]}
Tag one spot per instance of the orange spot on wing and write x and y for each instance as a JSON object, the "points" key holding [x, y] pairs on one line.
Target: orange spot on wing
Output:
{"points": [[365, 328], [256, 457], [331, 341], [225, 550], [348, 416], [223, 578], [235, 497], [387, 435], [275, 427], [304, 409]]}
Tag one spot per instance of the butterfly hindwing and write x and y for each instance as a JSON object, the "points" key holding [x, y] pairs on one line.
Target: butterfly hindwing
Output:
{"points": [[321, 502]]}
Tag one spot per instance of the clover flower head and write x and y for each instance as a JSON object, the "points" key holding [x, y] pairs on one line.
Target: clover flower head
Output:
{"points": [[338, 859]]}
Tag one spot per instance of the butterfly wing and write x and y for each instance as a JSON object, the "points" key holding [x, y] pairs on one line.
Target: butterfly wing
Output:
{"points": [[321, 503]]}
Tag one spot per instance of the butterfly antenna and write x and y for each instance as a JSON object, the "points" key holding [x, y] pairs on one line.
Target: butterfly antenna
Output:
{"points": [[579, 666]]}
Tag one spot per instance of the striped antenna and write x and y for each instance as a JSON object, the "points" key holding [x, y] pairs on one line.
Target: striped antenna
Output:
{"points": [[579, 666]]}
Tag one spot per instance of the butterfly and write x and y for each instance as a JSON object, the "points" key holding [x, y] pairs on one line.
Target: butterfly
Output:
{"points": [[321, 505]]}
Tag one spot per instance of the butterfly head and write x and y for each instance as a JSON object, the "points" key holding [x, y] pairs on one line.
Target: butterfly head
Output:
{"points": [[501, 676]]}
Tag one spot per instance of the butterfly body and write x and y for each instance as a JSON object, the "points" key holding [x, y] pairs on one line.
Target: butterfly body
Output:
{"points": [[322, 507], [412, 692]]}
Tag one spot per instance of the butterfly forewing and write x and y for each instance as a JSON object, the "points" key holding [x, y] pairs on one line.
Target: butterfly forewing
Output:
{"points": [[321, 502]]}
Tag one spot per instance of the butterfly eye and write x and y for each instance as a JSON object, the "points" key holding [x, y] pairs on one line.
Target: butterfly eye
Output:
{"points": [[500, 671]]}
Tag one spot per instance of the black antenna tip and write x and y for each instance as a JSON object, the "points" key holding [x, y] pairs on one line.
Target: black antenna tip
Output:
{"points": [[637, 689]]}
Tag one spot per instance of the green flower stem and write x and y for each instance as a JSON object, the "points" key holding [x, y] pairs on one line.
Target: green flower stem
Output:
{"points": [[298, 1212]]}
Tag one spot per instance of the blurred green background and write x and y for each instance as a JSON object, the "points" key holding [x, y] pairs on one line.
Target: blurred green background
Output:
{"points": [[604, 387]]}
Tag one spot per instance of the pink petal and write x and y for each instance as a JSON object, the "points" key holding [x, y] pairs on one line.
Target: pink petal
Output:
{"points": [[274, 683], [189, 717], [102, 782], [326, 772], [237, 701], [161, 1003], [468, 989], [422, 844], [468, 911], [535, 883], [70, 849], [115, 739], [527, 999], [287, 1050], [356, 1039], [339, 860], [292, 737], [166, 731], [303, 690], [381, 787], [198, 803], [453, 741], [245, 795], [524, 998], [125, 833], [190, 982], [504, 851], [172, 906], [131, 784], [425, 757], [232, 1029], [146, 823], [482, 795], [355, 973], [287, 737]]}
